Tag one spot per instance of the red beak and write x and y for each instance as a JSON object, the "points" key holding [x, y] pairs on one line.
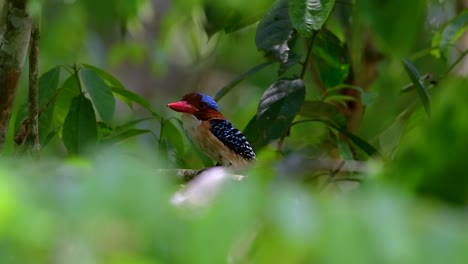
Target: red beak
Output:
{"points": [[182, 106]]}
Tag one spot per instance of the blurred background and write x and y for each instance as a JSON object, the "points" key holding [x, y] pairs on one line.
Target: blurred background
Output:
{"points": [[406, 204]]}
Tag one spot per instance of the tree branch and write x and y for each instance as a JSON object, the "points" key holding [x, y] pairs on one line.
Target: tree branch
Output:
{"points": [[33, 134], [13, 50]]}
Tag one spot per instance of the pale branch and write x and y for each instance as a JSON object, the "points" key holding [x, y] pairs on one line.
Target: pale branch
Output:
{"points": [[186, 175], [202, 190], [13, 49]]}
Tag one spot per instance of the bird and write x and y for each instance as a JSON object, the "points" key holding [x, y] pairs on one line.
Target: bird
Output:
{"points": [[218, 138]]}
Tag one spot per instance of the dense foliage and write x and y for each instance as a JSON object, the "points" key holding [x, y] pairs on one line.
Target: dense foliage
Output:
{"points": [[355, 109]]}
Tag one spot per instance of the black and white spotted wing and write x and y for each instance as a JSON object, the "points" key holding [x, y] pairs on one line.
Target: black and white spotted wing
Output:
{"points": [[232, 138]]}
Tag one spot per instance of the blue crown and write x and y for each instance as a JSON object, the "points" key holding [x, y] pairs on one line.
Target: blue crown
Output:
{"points": [[209, 101]]}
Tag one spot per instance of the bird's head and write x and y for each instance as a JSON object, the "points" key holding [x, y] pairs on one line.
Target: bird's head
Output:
{"points": [[202, 106]]}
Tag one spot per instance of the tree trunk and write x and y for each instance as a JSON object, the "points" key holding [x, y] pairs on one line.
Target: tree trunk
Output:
{"points": [[13, 51]]}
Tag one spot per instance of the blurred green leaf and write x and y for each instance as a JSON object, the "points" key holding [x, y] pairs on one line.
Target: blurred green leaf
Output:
{"points": [[275, 30], [395, 23], [323, 111], [331, 58], [123, 135], [430, 158], [344, 149], [100, 93], [79, 129], [134, 97], [119, 133], [309, 15], [361, 143], [418, 82], [331, 116], [231, 16], [451, 32], [278, 106], [228, 87]]}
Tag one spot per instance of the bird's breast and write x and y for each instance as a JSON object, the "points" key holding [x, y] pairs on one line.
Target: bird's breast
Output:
{"points": [[201, 135]]}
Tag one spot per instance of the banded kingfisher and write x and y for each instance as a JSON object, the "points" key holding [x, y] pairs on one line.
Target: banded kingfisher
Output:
{"points": [[212, 132]]}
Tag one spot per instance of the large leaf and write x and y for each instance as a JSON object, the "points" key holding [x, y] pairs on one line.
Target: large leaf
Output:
{"points": [[100, 93], [418, 82], [309, 15], [275, 30], [278, 106], [80, 130], [452, 32], [331, 58]]}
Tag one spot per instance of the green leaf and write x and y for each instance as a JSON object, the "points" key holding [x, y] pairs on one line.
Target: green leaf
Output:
{"points": [[309, 15], [80, 130], [418, 82], [332, 116], [173, 134], [231, 16], [65, 94], [344, 149], [100, 93], [129, 95], [278, 106], [131, 124], [275, 30], [452, 32], [122, 132], [361, 143], [117, 137], [107, 77], [111, 81], [331, 58], [323, 111], [252, 133], [48, 84], [228, 87]]}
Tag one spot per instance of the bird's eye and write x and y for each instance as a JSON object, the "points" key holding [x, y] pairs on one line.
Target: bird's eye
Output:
{"points": [[201, 105]]}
